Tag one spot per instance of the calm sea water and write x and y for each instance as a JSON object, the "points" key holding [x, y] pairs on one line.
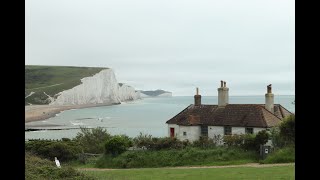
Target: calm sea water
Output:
{"points": [[147, 116]]}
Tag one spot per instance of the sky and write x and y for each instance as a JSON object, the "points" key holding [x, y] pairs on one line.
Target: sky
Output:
{"points": [[175, 45]]}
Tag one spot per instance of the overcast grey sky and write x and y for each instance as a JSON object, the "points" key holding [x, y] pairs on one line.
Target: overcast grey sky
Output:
{"points": [[173, 45]]}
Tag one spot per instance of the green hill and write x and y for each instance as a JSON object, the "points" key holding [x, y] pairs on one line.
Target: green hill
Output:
{"points": [[52, 80], [154, 93]]}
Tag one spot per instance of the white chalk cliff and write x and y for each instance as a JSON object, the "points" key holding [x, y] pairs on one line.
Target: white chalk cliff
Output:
{"points": [[99, 88]]}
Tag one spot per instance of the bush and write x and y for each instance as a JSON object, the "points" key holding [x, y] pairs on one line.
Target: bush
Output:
{"points": [[63, 150], [92, 141], [205, 142], [154, 143], [287, 129], [247, 141], [277, 140], [285, 155], [143, 140], [234, 140], [182, 157], [261, 137], [117, 145], [37, 168]]}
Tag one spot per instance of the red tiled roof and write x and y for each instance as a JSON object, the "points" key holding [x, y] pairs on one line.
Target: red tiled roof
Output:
{"points": [[242, 115]]}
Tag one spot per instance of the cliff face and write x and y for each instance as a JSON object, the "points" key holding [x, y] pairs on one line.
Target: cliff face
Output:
{"points": [[100, 88]]}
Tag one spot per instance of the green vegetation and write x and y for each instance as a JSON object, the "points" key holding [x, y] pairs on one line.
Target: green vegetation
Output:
{"points": [[287, 129], [65, 150], [92, 140], [154, 93], [285, 155], [173, 157], [97, 148], [247, 141], [52, 80], [117, 145], [250, 173], [37, 168]]}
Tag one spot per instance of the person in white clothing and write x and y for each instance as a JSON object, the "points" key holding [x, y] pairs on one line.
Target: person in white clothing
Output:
{"points": [[57, 162]]}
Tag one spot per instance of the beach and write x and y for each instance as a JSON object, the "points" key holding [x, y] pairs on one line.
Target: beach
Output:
{"points": [[42, 112]]}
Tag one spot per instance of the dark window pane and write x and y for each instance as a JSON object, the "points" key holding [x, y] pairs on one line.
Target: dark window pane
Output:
{"points": [[204, 130], [227, 130], [249, 130]]}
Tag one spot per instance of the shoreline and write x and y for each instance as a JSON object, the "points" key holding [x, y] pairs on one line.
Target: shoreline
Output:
{"points": [[43, 112]]}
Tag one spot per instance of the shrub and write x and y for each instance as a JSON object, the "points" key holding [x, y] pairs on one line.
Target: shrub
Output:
{"points": [[63, 150], [37, 168], [284, 155], [117, 145], [143, 140], [261, 137], [205, 142], [92, 141], [277, 140], [247, 141], [287, 129], [182, 157], [233, 140], [155, 143]]}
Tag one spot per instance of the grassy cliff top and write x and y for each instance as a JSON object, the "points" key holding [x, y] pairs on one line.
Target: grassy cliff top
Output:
{"points": [[54, 79]]}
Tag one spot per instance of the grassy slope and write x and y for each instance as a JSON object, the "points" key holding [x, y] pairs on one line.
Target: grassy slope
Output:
{"points": [[38, 77], [280, 172]]}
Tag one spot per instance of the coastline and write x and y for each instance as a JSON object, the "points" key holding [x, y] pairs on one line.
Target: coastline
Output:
{"points": [[42, 112]]}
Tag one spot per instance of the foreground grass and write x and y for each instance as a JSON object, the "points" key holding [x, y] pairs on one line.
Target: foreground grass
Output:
{"points": [[285, 155], [184, 157], [280, 172]]}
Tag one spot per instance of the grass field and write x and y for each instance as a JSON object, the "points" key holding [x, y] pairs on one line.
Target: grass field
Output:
{"points": [[277, 172]]}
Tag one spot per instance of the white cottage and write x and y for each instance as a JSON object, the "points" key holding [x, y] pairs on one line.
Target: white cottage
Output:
{"points": [[225, 119]]}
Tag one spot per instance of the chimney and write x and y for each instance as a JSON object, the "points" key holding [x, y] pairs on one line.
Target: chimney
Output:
{"points": [[197, 98], [223, 94], [269, 99]]}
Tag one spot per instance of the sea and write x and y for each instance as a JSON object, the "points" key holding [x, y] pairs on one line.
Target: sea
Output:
{"points": [[148, 116]]}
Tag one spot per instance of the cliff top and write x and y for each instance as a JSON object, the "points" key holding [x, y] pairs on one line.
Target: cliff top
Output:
{"points": [[53, 79]]}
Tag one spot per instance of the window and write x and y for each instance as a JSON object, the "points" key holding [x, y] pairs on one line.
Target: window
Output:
{"points": [[184, 133], [204, 130], [249, 130], [227, 130]]}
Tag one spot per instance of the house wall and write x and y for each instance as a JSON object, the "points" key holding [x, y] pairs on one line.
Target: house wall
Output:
{"points": [[238, 130], [176, 129], [193, 133], [216, 132], [256, 130]]}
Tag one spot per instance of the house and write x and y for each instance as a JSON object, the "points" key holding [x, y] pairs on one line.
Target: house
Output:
{"points": [[225, 119]]}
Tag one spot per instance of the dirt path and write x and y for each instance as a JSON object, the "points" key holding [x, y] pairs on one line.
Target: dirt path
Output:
{"points": [[257, 165]]}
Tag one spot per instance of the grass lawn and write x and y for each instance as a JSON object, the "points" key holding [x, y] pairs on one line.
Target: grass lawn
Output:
{"points": [[280, 172]]}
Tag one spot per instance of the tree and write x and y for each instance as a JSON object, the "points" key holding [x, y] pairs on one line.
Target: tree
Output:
{"points": [[92, 141], [117, 145], [287, 129]]}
